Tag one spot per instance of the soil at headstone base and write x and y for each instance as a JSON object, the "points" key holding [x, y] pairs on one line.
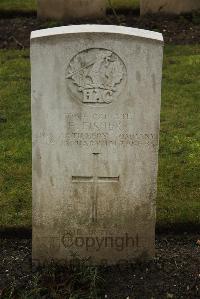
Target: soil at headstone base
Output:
{"points": [[175, 272], [15, 32]]}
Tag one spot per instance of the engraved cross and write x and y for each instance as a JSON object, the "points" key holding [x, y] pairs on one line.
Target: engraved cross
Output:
{"points": [[95, 180]]}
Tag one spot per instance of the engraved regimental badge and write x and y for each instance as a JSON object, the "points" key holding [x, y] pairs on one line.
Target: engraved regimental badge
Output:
{"points": [[96, 76]]}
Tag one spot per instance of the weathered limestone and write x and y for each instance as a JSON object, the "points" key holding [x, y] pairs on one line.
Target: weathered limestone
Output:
{"points": [[168, 6], [71, 9], [96, 93]]}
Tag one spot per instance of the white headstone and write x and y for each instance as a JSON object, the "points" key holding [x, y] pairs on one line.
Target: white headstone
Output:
{"points": [[96, 93], [70, 9], [168, 6]]}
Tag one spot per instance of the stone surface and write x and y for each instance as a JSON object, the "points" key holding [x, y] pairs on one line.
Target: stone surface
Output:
{"points": [[96, 93], [168, 6], [71, 9]]}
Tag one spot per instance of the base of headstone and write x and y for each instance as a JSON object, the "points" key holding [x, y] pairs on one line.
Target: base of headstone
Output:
{"points": [[168, 6], [71, 9]]}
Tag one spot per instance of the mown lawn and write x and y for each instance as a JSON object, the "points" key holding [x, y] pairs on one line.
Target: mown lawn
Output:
{"points": [[125, 3], [179, 159], [29, 5], [19, 5], [15, 139]]}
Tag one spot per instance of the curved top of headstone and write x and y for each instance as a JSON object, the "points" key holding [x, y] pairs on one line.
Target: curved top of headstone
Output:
{"points": [[107, 29]]}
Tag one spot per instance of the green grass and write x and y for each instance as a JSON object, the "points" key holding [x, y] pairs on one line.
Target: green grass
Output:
{"points": [[179, 159], [30, 5], [15, 139], [179, 170], [19, 5], [125, 3]]}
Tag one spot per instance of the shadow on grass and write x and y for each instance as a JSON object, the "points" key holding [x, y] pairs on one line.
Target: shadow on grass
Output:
{"points": [[6, 14]]}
